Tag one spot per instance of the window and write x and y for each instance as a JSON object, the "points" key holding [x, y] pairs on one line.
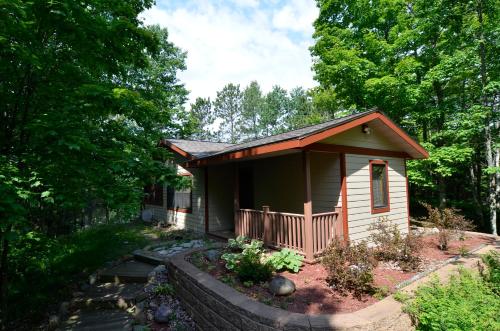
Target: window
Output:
{"points": [[379, 186], [179, 200], [153, 195]]}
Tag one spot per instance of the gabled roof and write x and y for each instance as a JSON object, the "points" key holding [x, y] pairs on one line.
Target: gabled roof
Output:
{"points": [[200, 152], [195, 149]]}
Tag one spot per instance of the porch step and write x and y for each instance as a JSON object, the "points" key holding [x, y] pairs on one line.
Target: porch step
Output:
{"points": [[107, 320], [110, 296], [127, 272], [148, 257]]}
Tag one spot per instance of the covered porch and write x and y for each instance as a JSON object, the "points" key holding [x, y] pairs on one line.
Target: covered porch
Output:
{"points": [[291, 200]]}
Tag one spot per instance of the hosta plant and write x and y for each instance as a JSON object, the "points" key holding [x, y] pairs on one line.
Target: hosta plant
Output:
{"points": [[286, 259]]}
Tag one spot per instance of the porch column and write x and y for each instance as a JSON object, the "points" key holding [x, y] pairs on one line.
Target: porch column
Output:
{"points": [[343, 189], [306, 165], [236, 199]]}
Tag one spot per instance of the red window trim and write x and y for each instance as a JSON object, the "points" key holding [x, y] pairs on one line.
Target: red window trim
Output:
{"points": [[184, 210], [388, 207]]}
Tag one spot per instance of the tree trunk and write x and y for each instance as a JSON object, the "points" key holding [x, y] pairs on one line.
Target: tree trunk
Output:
{"points": [[476, 194], [493, 185], [491, 158]]}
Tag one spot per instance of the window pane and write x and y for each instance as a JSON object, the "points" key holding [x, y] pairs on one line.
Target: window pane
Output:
{"points": [[178, 199], [379, 185]]}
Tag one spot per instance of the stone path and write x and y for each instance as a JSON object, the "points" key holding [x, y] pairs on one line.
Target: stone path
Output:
{"points": [[121, 294]]}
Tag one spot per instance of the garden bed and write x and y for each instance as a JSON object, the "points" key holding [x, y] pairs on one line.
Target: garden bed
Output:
{"points": [[314, 296]]}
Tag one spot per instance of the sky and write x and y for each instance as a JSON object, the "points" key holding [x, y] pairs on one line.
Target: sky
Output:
{"points": [[237, 41]]}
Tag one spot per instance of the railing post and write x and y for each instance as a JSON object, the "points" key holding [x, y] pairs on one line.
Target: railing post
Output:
{"points": [[309, 236], [339, 226], [267, 226]]}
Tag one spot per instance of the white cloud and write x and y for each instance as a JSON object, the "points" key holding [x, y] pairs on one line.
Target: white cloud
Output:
{"points": [[298, 15], [227, 44]]}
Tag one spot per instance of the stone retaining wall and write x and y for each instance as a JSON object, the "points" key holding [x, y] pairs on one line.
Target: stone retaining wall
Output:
{"points": [[217, 306]]}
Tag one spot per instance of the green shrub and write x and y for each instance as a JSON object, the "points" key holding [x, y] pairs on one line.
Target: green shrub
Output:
{"points": [[349, 267], [391, 245], [286, 259], [491, 274], [449, 222], [248, 264], [465, 303], [42, 267], [237, 244], [252, 269]]}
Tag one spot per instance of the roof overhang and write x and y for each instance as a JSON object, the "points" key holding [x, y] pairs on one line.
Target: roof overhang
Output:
{"points": [[310, 142], [176, 149]]}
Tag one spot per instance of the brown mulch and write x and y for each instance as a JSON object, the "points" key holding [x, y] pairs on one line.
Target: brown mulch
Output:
{"points": [[313, 296]]}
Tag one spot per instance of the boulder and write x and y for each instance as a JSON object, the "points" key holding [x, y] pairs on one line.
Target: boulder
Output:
{"points": [[160, 268], [212, 255], [163, 313], [147, 215], [280, 285]]}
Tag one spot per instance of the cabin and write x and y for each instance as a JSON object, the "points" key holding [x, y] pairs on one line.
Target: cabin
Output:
{"points": [[298, 189]]}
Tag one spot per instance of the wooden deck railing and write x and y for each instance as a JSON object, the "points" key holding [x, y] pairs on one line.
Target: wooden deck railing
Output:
{"points": [[287, 230], [250, 223], [280, 230]]}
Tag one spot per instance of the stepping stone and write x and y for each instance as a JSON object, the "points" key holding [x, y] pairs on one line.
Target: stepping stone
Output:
{"points": [[128, 272], [110, 296], [148, 257], [106, 320]]}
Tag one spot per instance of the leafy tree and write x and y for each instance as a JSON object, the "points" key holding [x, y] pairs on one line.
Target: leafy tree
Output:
{"points": [[432, 67], [276, 107], [202, 118], [302, 110], [87, 92], [228, 107], [252, 105]]}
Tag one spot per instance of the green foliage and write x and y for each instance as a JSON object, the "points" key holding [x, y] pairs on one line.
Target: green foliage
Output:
{"points": [[433, 67], [237, 244], [228, 107], [87, 93], [44, 266], [248, 264], [252, 104], [491, 274], [202, 117], [349, 266], [391, 245], [164, 289], [286, 259], [465, 303]]}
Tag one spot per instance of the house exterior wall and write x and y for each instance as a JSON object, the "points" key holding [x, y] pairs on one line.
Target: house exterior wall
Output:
{"points": [[278, 183], [354, 137], [193, 220], [325, 182], [359, 213]]}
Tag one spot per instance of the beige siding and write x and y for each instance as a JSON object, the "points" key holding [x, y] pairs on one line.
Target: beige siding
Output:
{"points": [[354, 137], [325, 182], [278, 183], [359, 200], [194, 220]]}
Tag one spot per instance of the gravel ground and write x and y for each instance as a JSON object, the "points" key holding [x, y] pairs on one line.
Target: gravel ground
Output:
{"points": [[178, 318]]}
